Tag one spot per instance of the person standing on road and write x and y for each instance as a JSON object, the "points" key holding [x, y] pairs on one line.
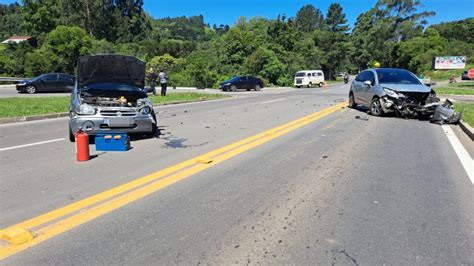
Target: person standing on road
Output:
{"points": [[163, 81], [152, 79]]}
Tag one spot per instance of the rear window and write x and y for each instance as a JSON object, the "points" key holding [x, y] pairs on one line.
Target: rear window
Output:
{"points": [[396, 76]]}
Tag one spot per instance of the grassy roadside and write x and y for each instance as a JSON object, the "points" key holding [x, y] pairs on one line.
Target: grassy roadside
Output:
{"points": [[438, 75], [23, 106], [468, 115], [461, 88]]}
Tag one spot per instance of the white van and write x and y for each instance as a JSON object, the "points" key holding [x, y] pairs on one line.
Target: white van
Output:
{"points": [[309, 78]]}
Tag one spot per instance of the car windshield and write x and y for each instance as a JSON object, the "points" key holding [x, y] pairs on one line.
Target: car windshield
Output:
{"points": [[300, 74], [396, 76]]}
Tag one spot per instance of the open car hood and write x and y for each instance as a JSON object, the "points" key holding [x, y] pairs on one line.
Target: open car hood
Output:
{"points": [[110, 68]]}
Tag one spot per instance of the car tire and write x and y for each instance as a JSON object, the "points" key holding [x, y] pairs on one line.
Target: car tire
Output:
{"points": [[352, 103], [310, 85], [154, 130], [72, 138], [321, 84], [376, 107], [257, 87], [233, 88], [30, 89]]}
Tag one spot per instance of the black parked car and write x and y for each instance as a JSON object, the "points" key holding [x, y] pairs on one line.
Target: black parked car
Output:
{"points": [[47, 82], [242, 83]]}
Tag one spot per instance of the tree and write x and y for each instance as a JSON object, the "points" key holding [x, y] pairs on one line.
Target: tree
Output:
{"points": [[65, 45], [40, 17], [10, 20], [379, 31], [462, 30], [336, 19], [265, 63], [308, 18], [131, 21]]}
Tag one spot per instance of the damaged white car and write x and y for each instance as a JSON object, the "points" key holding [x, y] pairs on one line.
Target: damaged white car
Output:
{"points": [[386, 90], [110, 95]]}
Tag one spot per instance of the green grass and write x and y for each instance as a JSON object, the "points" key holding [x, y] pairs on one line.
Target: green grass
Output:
{"points": [[463, 85], [454, 91], [468, 114], [446, 74], [25, 106], [17, 107], [460, 88]]}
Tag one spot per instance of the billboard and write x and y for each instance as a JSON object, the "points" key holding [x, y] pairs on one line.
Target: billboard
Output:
{"points": [[450, 62]]}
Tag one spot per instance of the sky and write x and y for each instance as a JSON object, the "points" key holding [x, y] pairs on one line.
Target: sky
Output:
{"points": [[228, 11]]}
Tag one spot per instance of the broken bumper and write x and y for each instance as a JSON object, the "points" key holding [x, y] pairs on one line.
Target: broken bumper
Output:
{"points": [[408, 107], [94, 124]]}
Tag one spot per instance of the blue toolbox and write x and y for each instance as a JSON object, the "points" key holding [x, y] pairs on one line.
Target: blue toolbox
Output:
{"points": [[112, 141]]}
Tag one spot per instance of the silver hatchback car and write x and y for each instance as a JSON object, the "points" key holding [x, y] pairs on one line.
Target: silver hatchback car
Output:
{"points": [[385, 90], [110, 95]]}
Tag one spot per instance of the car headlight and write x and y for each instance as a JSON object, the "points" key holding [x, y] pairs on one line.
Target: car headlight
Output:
{"points": [[145, 101], [145, 110], [85, 109], [228, 84], [391, 93], [21, 84]]}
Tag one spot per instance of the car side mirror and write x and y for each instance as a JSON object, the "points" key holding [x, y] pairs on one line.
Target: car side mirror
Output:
{"points": [[368, 83]]}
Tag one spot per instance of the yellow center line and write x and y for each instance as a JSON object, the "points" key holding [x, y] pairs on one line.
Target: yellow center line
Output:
{"points": [[58, 221]]}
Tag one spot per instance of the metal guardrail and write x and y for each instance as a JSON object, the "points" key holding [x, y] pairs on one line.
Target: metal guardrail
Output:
{"points": [[11, 79]]}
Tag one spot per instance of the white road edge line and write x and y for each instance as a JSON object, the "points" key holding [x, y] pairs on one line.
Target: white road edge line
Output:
{"points": [[466, 160], [273, 101], [31, 144]]}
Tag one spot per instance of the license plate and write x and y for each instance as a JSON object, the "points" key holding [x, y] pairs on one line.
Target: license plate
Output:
{"points": [[120, 121]]}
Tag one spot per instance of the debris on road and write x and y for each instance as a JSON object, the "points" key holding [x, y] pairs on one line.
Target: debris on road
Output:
{"points": [[365, 118], [445, 114]]}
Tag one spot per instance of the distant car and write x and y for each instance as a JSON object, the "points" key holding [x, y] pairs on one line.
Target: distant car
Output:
{"points": [[110, 96], [52, 82], [242, 83], [468, 74], [309, 78], [385, 90]]}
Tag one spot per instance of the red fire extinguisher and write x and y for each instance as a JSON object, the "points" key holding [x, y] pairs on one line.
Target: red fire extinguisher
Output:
{"points": [[82, 146]]}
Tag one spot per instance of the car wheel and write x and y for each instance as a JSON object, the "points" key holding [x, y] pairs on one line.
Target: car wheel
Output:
{"points": [[352, 103], [72, 138], [31, 89], [233, 88], [310, 85], [375, 107], [257, 87], [321, 84]]}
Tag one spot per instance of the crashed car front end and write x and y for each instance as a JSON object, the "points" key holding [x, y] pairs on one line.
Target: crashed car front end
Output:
{"points": [[409, 103], [94, 114], [110, 95]]}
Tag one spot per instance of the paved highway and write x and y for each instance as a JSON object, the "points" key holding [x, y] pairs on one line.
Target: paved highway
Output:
{"points": [[325, 189]]}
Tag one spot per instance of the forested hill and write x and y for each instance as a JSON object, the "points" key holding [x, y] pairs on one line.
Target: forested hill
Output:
{"points": [[393, 33]]}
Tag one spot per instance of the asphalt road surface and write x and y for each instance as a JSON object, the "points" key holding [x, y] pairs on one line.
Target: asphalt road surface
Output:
{"points": [[329, 189]]}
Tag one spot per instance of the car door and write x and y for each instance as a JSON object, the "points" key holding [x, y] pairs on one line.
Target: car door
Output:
{"points": [[357, 87], [65, 82], [48, 82], [246, 83], [367, 90]]}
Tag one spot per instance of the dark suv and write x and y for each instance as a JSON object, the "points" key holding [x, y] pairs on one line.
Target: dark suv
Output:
{"points": [[242, 83], [47, 82]]}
